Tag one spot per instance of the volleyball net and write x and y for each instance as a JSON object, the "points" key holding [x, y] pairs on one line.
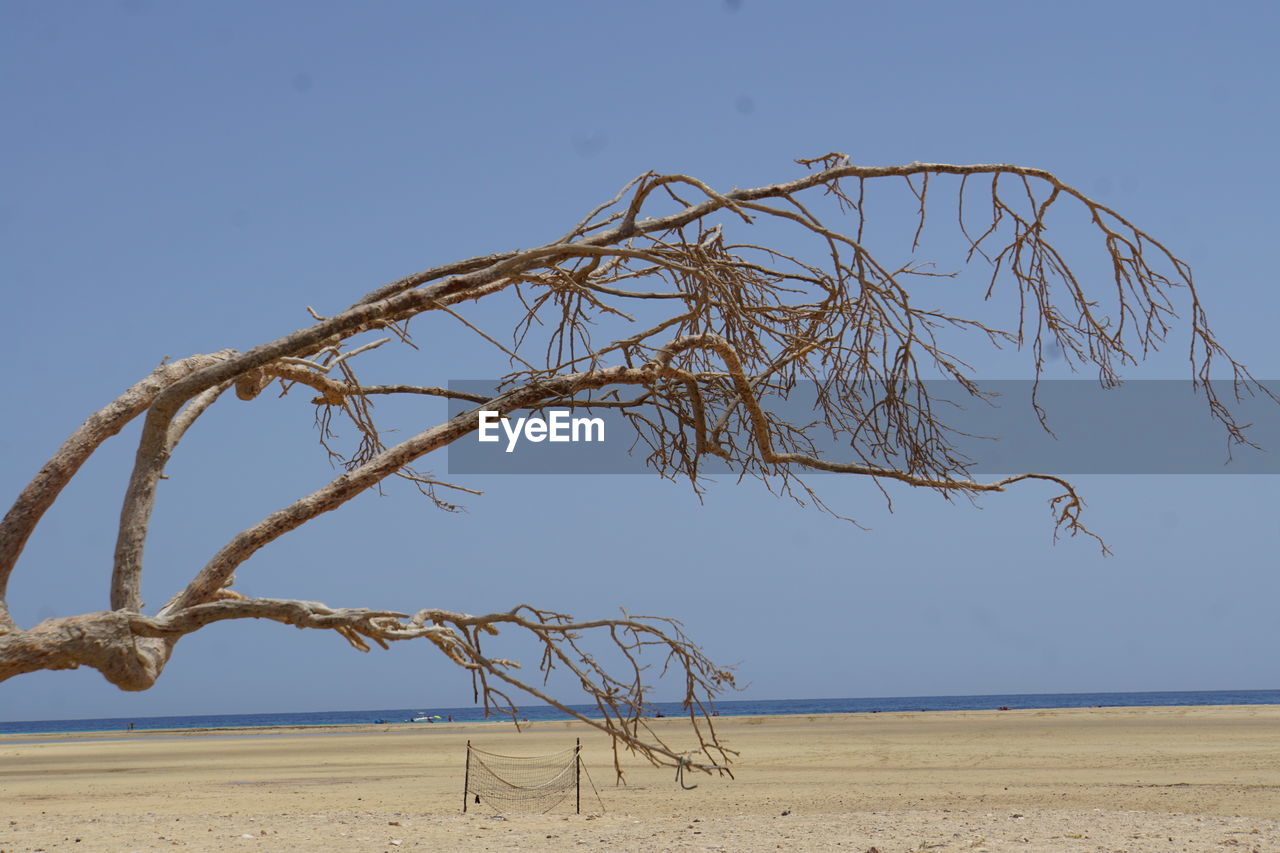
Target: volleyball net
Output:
{"points": [[523, 783]]}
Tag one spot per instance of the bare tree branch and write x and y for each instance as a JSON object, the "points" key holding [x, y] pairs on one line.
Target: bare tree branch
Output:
{"points": [[43, 490], [650, 294]]}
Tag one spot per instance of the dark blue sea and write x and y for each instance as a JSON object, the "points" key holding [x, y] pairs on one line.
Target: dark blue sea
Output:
{"points": [[729, 708]]}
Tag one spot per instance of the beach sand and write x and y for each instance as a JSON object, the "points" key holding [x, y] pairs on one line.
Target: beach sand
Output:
{"points": [[1121, 779]]}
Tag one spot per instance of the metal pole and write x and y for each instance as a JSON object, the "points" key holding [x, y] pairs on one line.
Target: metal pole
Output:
{"points": [[466, 779], [577, 773]]}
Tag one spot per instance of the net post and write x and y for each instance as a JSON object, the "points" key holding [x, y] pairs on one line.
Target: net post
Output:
{"points": [[577, 775], [466, 779]]}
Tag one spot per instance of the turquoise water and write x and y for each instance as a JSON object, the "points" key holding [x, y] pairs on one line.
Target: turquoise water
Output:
{"points": [[729, 708]]}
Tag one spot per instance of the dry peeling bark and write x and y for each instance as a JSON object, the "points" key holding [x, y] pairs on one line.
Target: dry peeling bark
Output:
{"points": [[650, 297]]}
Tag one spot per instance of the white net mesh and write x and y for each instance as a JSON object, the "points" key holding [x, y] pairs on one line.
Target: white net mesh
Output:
{"points": [[513, 783]]}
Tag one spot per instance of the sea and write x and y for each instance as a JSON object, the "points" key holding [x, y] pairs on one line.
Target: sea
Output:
{"points": [[228, 723]]}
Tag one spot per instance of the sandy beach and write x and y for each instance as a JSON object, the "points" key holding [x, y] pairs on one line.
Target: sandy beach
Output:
{"points": [[1124, 779]]}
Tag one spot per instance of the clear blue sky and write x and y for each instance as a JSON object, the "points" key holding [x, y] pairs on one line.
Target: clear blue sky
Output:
{"points": [[182, 177]]}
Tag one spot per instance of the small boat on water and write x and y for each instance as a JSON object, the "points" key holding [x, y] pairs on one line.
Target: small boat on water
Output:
{"points": [[424, 717]]}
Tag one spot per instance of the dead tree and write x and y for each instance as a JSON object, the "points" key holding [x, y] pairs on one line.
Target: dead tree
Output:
{"points": [[660, 304]]}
